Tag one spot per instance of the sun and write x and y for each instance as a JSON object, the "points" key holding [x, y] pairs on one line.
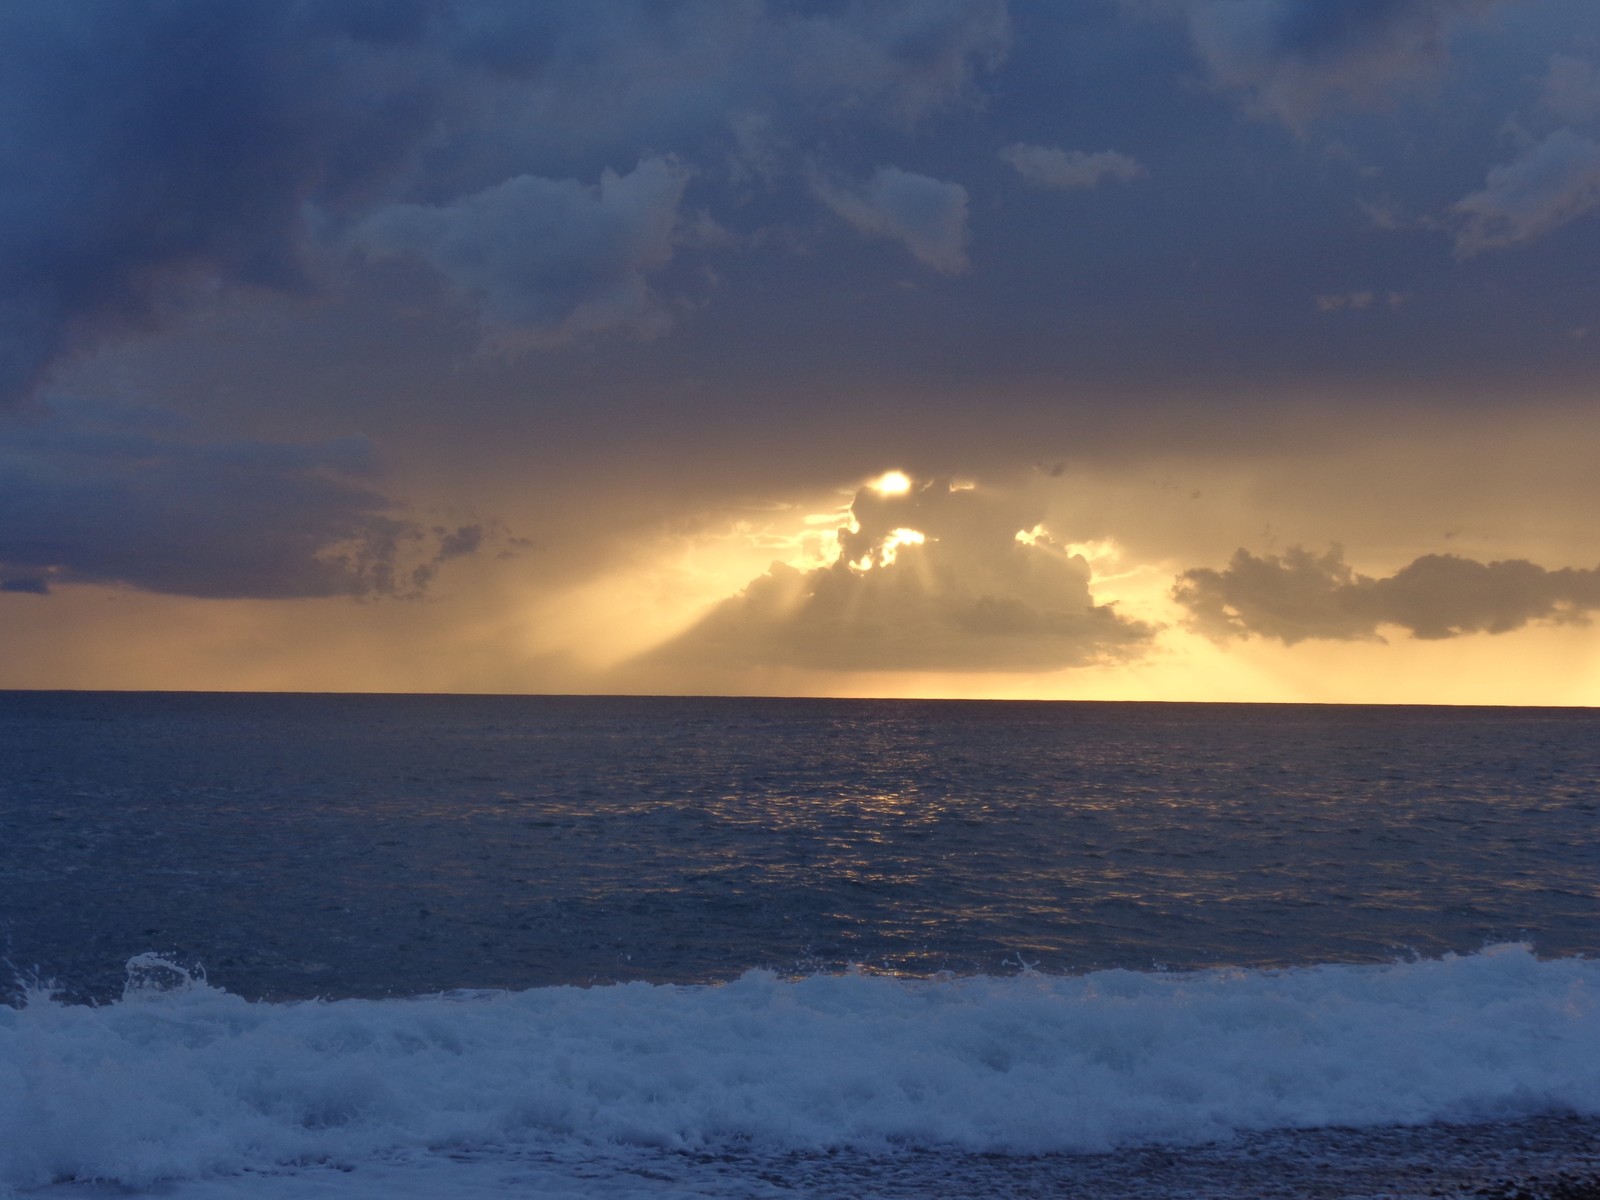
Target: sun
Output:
{"points": [[891, 483]]}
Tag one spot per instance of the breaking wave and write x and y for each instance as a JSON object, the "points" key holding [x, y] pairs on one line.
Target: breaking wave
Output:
{"points": [[180, 1079]]}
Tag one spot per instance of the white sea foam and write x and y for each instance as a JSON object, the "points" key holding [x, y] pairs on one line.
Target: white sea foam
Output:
{"points": [[190, 1081]]}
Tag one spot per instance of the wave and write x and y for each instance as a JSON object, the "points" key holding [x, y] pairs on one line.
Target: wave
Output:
{"points": [[176, 1082]]}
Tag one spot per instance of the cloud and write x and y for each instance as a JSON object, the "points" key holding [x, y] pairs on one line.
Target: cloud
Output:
{"points": [[1337, 301], [1572, 89], [153, 153], [1551, 184], [930, 578], [1357, 301], [927, 216], [1296, 58], [905, 59], [129, 498], [1068, 170], [548, 260], [152, 148], [1301, 595]]}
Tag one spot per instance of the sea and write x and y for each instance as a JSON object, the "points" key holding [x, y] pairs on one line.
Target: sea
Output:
{"points": [[352, 946]]}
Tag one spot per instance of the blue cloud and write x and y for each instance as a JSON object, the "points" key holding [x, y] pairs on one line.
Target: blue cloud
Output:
{"points": [[155, 150], [108, 496], [927, 216]]}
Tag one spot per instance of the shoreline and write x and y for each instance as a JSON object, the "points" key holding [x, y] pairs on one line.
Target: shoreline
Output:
{"points": [[1551, 1157]]}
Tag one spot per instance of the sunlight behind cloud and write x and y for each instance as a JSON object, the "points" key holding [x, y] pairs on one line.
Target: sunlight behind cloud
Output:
{"points": [[898, 538], [892, 483], [661, 585], [929, 577], [885, 553]]}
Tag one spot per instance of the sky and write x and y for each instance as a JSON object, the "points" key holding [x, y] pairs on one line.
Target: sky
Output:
{"points": [[1241, 350]]}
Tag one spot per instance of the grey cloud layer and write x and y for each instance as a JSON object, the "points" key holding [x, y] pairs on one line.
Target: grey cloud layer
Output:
{"points": [[124, 498], [761, 181], [154, 149], [151, 147], [1554, 179], [970, 597], [1300, 595], [548, 260], [1551, 183], [927, 216], [1066, 170], [1294, 58]]}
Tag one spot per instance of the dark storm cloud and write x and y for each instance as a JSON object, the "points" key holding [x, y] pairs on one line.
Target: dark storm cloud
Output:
{"points": [[1297, 60], [152, 147], [1294, 58], [152, 150], [1300, 595], [565, 174], [110, 496], [459, 542], [933, 579], [904, 59]]}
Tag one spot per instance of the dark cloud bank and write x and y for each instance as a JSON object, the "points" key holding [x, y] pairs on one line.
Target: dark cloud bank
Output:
{"points": [[112, 496], [525, 152], [969, 595], [1296, 58], [560, 169], [1300, 595], [155, 153], [563, 170]]}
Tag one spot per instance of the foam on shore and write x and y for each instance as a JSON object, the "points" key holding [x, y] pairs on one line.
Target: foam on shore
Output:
{"points": [[190, 1081]]}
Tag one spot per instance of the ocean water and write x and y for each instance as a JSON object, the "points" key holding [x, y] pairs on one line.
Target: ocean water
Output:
{"points": [[360, 946]]}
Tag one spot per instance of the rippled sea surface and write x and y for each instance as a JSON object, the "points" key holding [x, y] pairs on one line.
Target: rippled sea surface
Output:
{"points": [[301, 846], [282, 947]]}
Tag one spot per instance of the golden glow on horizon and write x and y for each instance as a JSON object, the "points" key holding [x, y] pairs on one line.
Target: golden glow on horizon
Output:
{"points": [[523, 627], [1542, 665], [662, 593], [135, 641]]}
